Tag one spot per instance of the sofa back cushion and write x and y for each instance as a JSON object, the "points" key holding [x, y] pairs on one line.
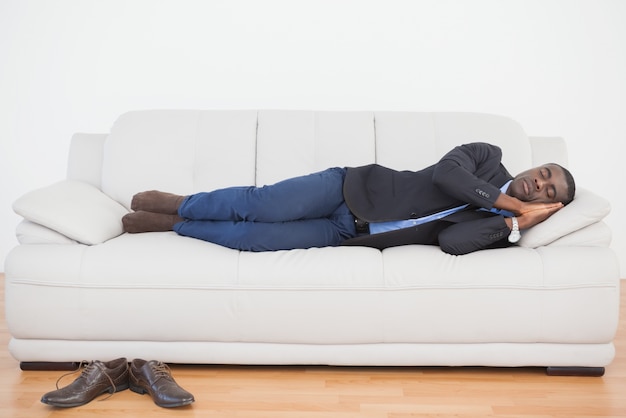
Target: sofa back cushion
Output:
{"points": [[180, 151], [187, 151]]}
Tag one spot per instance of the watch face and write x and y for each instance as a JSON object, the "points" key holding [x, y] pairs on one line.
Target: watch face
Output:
{"points": [[514, 236]]}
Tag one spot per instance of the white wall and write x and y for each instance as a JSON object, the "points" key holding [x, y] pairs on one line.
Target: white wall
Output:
{"points": [[556, 66]]}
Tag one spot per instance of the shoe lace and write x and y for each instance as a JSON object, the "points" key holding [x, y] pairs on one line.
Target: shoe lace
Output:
{"points": [[88, 367], [161, 370]]}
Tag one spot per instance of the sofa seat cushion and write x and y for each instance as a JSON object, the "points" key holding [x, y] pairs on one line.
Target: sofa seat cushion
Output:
{"points": [[162, 287]]}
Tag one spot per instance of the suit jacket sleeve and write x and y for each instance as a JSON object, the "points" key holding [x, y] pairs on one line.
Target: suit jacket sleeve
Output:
{"points": [[464, 237], [468, 173], [473, 173]]}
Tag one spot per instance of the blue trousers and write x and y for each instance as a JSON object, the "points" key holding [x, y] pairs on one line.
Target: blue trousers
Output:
{"points": [[301, 212]]}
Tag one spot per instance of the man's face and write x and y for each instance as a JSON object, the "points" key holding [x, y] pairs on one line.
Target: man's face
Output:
{"points": [[544, 184]]}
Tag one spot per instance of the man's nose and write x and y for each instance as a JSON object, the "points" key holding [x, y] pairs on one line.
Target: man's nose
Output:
{"points": [[538, 184]]}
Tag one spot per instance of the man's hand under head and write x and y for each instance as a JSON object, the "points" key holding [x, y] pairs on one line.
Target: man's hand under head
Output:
{"points": [[528, 214], [533, 213]]}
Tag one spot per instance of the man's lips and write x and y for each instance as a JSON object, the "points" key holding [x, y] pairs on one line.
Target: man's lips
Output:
{"points": [[526, 187]]}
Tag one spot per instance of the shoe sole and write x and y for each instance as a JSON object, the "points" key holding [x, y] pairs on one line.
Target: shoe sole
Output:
{"points": [[142, 391]]}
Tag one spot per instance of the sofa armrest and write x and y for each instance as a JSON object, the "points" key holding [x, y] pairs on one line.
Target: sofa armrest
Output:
{"points": [[76, 209]]}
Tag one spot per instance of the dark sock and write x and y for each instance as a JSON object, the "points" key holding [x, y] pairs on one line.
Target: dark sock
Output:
{"points": [[142, 221], [157, 202]]}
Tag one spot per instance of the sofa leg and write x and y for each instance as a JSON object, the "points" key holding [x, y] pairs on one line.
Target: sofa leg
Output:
{"points": [[49, 365], [575, 371]]}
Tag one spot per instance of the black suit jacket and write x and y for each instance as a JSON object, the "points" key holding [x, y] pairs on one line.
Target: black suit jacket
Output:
{"points": [[471, 173]]}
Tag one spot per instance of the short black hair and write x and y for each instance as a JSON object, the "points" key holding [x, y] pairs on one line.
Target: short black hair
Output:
{"points": [[571, 185]]}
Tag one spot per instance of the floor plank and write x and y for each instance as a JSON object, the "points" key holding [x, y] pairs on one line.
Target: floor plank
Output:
{"points": [[341, 392]]}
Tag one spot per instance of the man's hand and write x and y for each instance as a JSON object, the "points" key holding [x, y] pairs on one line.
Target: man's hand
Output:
{"points": [[533, 213]]}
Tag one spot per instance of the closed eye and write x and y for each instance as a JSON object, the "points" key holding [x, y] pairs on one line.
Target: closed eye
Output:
{"points": [[548, 172], [551, 190]]}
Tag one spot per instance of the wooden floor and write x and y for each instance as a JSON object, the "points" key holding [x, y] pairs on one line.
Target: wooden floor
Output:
{"points": [[341, 392]]}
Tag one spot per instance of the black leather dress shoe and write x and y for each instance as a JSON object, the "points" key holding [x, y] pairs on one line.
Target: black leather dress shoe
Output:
{"points": [[97, 378], [155, 378]]}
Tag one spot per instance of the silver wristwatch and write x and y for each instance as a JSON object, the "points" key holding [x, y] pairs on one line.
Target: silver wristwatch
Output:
{"points": [[514, 236]]}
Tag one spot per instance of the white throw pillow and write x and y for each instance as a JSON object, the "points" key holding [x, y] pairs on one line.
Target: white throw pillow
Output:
{"points": [[586, 208], [75, 209], [28, 232]]}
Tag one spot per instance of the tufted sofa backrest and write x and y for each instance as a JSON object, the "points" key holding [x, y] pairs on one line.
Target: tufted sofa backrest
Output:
{"points": [[187, 151]]}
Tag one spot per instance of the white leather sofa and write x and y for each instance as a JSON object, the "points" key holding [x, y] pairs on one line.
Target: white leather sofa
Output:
{"points": [[77, 288]]}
